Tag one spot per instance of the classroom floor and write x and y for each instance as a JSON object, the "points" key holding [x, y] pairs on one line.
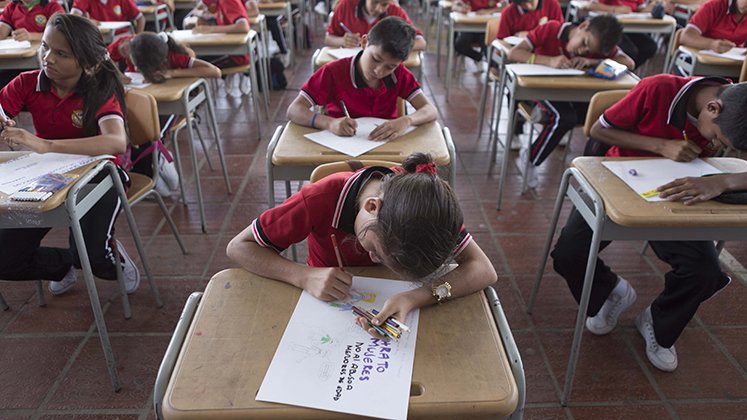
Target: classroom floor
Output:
{"points": [[51, 365]]}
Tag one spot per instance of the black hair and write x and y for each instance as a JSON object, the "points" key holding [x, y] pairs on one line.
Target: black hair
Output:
{"points": [[731, 120], [41, 2], [149, 53], [519, 2], [608, 30], [100, 78], [394, 35], [419, 221]]}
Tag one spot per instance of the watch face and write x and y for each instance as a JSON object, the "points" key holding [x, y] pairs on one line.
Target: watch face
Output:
{"points": [[442, 291]]}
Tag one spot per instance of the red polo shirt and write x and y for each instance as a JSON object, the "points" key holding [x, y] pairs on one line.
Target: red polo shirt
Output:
{"points": [[632, 4], [319, 210], [515, 19], [657, 107], [551, 40], [228, 12], [351, 14], [54, 117], [340, 80], [717, 19], [475, 5], [108, 11], [17, 16], [174, 60]]}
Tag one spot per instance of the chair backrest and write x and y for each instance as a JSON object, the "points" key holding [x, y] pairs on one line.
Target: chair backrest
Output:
{"points": [[142, 117], [743, 73], [676, 41], [600, 102], [349, 165], [491, 29]]}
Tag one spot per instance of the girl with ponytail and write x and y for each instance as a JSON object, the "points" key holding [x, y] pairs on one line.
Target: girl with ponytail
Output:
{"points": [[77, 106], [405, 218]]}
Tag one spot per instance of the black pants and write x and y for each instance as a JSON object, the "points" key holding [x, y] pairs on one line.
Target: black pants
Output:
{"points": [[273, 25], [695, 276], [464, 42], [558, 118], [23, 257], [640, 47]]}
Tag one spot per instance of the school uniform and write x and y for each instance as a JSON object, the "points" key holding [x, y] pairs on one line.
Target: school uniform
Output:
{"points": [[640, 47], [515, 19], [717, 19], [558, 117], [656, 107], [320, 209], [16, 15], [465, 40], [58, 118], [227, 12], [340, 80], [351, 13], [174, 60], [108, 10]]}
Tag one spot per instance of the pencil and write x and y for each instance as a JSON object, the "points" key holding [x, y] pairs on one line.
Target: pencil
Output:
{"points": [[337, 251], [346, 28], [344, 109]]}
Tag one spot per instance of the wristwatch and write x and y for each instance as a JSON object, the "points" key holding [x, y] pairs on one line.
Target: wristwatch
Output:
{"points": [[442, 292]]}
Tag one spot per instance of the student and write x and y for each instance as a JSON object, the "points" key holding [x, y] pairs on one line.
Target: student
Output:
{"points": [[25, 20], [110, 11], [77, 105], [521, 16], [274, 26], [565, 46], [639, 47], [465, 40], [159, 57], [355, 18], [368, 84], [718, 25], [230, 18], [405, 218], [652, 120]]}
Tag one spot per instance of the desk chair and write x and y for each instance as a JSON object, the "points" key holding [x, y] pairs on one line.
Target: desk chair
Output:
{"points": [[322, 171], [496, 59], [163, 13], [143, 125]]}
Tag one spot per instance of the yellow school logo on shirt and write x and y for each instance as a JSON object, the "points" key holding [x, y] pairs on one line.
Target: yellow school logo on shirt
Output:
{"points": [[40, 20], [117, 10], [77, 118]]}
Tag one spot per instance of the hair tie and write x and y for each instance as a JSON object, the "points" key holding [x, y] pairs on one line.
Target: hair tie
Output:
{"points": [[429, 168], [164, 36]]}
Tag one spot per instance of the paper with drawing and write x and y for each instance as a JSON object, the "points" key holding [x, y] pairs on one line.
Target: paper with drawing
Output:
{"points": [[645, 175], [23, 170], [355, 145], [326, 361]]}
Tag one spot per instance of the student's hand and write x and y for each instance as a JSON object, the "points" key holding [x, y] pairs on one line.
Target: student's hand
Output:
{"points": [[390, 130], [397, 307], [581, 63], [350, 40], [328, 283], [166, 74], [343, 126], [14, 136], [126, 80], [7, 122], [460, 7], [560, 62], [21, 34], [680, 150], [202, 29], [692, 190], [521, 34], [722, 45]]}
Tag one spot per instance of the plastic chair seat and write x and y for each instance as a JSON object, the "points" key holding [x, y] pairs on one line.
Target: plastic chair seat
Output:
{"points": [[140, 186]]}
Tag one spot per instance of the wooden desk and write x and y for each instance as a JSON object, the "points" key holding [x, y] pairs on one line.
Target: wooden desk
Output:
{"points": [[460, 22], [694, 63], [414, 61], [559, 88], [291, 156], [615, 212], [21, 59], [184, 4], [241, 318]]}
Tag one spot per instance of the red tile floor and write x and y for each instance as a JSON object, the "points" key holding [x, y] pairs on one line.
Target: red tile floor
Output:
{"points": [[51, 365]]}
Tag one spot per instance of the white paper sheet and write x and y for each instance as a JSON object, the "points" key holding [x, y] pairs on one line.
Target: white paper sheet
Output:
{"points": [[21, 171], [114, 25], [187, 34], [632, 15], [736, 54], [513, 40], [12, 44], [644, 176], [137, 80], [355, 145], [476, 14], [326, 361], [521, 69], [344, 52]]}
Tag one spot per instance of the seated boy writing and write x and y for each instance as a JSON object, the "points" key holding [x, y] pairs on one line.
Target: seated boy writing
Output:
{"points": [[565, 45], [653, 120], [368, 85]]}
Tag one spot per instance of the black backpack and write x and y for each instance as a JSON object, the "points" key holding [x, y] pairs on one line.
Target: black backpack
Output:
{"points": [[277, 75]]}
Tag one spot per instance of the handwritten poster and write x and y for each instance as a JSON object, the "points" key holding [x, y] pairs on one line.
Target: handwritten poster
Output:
{"points": [[326, 361]]}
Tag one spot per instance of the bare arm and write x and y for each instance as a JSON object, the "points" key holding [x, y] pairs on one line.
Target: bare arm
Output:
{"points": [[200, 68], [139, 24], [679, 150], [692, 38], [522, 53], [420, 43], [392, 129], [112, 140], [300, 113], [349, 40], [598, 7], [240, 27], [4, 31]]}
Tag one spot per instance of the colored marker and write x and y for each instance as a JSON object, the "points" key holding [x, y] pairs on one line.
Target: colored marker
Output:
{"points": [[393, 322], [337, 251], [383, 330]]}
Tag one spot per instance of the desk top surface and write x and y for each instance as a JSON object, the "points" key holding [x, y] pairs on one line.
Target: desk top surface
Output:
{"points": [[273, 5], [15, 53], [198, 40], [293, 149], [626, 81], [465, 19], [324, 57], [710, 59], [624, 207], [170, 90], [460, 367]]}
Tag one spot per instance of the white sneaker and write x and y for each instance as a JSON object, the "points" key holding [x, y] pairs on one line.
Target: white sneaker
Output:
{"points": [[221, 87], [321, 8], [245, 85], [662, 358], [622, 296], [59, 287], [285, 59], [233, 85], [531, 175], [129, 270]]}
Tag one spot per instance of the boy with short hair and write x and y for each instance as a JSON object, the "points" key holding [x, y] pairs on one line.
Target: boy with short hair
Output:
{"points": [[521, 16], [353, 18], [368, 84], [652, 120], [565, 45]]}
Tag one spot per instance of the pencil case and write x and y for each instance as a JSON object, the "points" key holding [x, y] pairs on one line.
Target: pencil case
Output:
{"points": [[608, 69], [43, 188]]}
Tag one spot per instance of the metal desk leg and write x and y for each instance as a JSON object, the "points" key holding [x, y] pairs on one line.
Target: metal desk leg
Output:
{"points": [[668, 57], [439, 25], [291, 34], [449, 57], [216, 133], [506, 146], [270, 167]]}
